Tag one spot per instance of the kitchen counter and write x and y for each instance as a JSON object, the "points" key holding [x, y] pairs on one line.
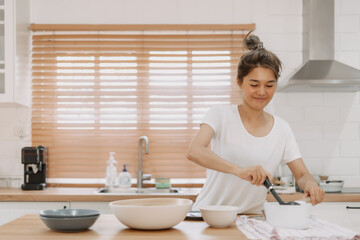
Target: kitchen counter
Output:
{"points": [[86, 195], [108, 227]]}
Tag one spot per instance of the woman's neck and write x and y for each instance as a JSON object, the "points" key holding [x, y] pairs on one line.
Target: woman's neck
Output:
{"points": [[250, 114]]}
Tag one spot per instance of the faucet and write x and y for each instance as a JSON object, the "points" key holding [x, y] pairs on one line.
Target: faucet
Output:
{"points": [[141, 176]]}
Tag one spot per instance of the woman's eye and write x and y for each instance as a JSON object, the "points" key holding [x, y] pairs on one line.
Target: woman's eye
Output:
{"points": [[269, 86], [253, 85]]}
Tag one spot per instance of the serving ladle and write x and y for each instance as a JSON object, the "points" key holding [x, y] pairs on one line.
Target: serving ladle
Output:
{"points": [[270, 187]]}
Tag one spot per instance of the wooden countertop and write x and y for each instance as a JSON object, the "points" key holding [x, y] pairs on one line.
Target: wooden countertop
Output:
{"points": [[86, 195], [108, 227]]}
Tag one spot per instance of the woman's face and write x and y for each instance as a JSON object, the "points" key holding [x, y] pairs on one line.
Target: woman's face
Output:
{"points": [[258, 88]]}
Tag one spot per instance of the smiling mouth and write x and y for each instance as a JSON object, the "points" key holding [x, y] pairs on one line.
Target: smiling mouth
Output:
{"points": [[260, 99]]}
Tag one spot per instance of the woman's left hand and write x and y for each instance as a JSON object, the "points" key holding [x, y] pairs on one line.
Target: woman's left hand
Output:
{"points": [[306, 181], [315, 193]]}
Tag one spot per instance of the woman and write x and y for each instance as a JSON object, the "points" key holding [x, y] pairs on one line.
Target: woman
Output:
{"points": [[247, 143]]}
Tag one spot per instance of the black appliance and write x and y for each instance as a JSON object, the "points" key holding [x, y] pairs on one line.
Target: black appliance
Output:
{"points": [[34, 160]]}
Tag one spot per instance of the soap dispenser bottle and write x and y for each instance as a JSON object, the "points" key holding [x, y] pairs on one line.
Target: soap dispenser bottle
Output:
{"points": [[124, 178], [111, 171]]}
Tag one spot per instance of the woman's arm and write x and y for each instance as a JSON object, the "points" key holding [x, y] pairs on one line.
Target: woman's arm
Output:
{"points": [[199, 153], [306, 181]]}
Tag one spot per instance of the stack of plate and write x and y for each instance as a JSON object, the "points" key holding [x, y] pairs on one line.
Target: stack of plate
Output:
{"points": [[331, 185], [69, 220]]}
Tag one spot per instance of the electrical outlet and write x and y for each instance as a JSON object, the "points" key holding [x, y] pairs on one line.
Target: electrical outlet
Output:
{"points": [[19, 131]]}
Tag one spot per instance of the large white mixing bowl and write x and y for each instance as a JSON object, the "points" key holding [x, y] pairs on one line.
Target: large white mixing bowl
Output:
{"points": [[151, 213]]}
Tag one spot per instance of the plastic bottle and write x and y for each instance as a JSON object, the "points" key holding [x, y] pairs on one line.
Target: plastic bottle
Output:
{"points": [[124, 178], [111, 171]]}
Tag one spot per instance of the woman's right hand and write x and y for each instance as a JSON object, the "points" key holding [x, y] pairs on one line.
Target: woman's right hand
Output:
{"points": [[255, 174]]}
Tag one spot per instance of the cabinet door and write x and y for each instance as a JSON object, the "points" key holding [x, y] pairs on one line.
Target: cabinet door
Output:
{"points": [[15, 82], [12, 210], [7, 37], [102, 207], [2, 48], [337, 213]]}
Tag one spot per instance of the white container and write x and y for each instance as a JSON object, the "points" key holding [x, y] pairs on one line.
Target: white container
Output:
{"points": [[332, 186], [111, 171], [288, 216], [125, 178], [219, 216], [151, 213]]}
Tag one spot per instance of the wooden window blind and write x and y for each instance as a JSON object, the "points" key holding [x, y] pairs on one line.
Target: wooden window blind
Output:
{"points": [[98, 88]]}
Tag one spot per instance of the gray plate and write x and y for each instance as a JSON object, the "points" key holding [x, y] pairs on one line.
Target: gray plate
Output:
{"points": [[69, 213], [69, 224]]}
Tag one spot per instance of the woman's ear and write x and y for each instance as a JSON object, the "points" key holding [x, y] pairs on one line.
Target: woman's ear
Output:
{"points": [[239, 82]]}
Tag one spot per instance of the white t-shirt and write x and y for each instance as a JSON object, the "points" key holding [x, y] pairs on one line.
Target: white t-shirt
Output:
{"points": [[232, 142]]}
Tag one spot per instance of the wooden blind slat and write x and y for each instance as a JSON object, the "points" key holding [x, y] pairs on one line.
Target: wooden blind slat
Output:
{"points": [[137, 36]]}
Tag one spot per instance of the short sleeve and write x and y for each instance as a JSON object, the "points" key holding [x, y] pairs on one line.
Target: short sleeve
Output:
{"points": [[291, 151], [213, 117]]}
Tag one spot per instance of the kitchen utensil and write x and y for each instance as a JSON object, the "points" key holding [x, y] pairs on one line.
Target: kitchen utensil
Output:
{"points": [[194, 216], [288, 216], [71, 224], [69, 213], [151, 213], [219, 216], [269, 186]]}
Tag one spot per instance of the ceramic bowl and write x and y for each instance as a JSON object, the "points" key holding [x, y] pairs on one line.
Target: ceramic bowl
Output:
{"points": [[72, 224], [151, 213], [219, 216], [69, 213], [288, 216], [69, 220]]}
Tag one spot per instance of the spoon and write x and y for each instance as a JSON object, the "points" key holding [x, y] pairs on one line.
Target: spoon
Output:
{"points": [[269, 186]]}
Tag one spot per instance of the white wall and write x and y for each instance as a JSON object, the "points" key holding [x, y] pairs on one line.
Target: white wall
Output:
{"points": [[13, 119], [327, 126]]}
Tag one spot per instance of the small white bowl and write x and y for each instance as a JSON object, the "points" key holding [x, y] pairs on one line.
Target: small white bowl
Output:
{"points": [[219, 216], [151, 213], [288, 216]]}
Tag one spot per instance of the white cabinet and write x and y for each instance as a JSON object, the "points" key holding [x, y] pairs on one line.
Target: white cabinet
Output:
{"points": [[12, 210], [2, 48], [337, 213], [15, 80]]}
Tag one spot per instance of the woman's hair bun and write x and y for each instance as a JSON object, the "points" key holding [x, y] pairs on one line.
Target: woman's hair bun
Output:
{"points": [[258, 56], [252, 42]]}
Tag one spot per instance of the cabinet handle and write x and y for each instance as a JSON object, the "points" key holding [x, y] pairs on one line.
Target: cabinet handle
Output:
{"points": [[348, 207]]}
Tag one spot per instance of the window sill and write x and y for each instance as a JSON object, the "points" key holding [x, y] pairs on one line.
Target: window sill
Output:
{"points": [[100, 182]]}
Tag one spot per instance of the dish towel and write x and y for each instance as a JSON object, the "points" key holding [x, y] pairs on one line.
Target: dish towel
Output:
{"points": [[318, 230]]}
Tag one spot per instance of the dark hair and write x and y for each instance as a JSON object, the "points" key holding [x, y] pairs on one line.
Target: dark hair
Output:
{"points": [[258, 56]]}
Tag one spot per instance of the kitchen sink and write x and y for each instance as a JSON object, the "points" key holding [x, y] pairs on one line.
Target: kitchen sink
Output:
{"points": [[123, 191]]}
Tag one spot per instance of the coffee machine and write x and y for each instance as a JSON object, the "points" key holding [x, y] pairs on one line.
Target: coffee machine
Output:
{"points": [[34, 160]]}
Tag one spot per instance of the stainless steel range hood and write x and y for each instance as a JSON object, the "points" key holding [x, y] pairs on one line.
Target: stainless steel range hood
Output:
{"points": [[321, 73]]}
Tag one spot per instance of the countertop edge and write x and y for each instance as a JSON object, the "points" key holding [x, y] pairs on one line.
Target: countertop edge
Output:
{"points": [[87, 195]]}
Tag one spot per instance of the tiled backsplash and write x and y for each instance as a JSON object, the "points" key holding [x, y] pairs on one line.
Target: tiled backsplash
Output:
{"points": [[14, 122], [327, 132], [326, 125]]}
